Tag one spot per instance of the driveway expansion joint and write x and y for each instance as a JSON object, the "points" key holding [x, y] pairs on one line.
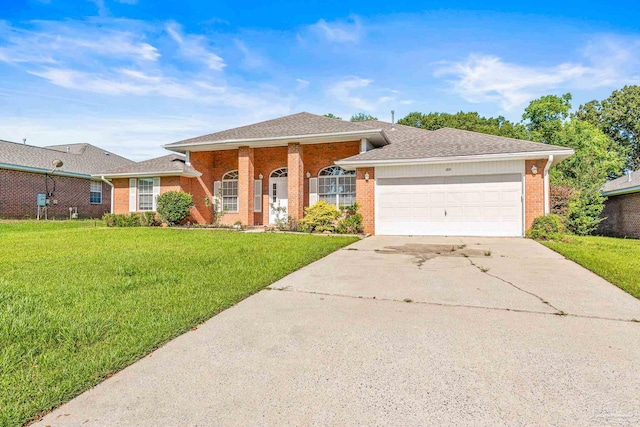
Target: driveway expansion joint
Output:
{"points": [[558, 313]]}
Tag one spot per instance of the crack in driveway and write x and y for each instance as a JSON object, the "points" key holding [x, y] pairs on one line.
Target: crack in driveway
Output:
{"points": [[558, 313], [542, 300]]}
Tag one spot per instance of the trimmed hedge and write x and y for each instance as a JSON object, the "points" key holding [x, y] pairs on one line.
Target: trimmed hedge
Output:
{"points": [[142, 219]]}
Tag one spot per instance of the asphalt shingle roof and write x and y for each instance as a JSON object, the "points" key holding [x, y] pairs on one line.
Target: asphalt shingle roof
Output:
{"points": [[169, 163], [622, 183], [85, 159], [447, 142], [293, 125]]}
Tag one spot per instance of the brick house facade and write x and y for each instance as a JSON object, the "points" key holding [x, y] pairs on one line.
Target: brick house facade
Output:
{"points": [[249, 169], [19, 191], [622, 208], [62, 173]]}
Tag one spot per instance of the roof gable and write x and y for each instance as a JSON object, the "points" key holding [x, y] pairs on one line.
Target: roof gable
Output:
{"points": [[293, 125], [83, 159]]}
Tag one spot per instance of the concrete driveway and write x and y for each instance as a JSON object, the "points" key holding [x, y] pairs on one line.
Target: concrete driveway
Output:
{"points": [[397, 331]]}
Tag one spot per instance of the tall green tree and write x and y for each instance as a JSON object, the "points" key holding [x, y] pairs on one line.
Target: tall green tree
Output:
{"points": [[618, 117], [545, 116], [362, 117], [466, 121], [596, 158]]}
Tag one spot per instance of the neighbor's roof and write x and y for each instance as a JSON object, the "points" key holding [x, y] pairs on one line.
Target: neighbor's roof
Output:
{"points": [[169, 165], [77, 159], [628, 183], [447, 142], [295, 125]]}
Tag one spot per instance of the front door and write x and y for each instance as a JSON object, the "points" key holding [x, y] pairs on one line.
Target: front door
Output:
{"points": [[278, 204]]}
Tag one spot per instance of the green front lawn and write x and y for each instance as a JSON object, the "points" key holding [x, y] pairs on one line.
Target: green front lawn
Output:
{"points": [[79, 301], [616, 260]]}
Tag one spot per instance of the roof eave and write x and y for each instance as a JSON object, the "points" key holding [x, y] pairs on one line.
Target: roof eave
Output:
{"points": [[185, 174], [377, 137], [621, 191], [46, 171], [558, 156]]}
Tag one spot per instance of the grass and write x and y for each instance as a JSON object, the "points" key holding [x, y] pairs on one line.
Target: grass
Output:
{"points": [[616, 260], [79, 301]]}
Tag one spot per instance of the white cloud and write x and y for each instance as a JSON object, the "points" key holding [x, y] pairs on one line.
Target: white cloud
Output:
{"points": [[487, 78], [359, 94], [302, 84], [56, 42], [251, 59], [349, 31], [195, 48]]}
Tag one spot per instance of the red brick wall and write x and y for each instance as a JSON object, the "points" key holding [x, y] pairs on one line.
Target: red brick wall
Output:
{"points": [[245, 185], [622, 215], [167, 183], [295, 182], [534, 191], [214, 164], [19, 190], [365, 196]]}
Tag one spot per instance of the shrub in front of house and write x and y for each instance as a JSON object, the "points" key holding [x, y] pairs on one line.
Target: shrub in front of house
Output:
{"points": [[351, 221], [174, 206], [319, 218], [548, 227], [143, 219]]}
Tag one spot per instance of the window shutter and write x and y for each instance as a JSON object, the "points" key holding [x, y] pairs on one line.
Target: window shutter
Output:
{"points": [[217, 202], [133, 194], [313, 191], [156, 191], [257, 195]]}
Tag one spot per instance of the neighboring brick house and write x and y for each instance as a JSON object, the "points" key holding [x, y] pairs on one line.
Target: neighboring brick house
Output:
{"points": [[622, 208], [406, 180], [26, 171]]}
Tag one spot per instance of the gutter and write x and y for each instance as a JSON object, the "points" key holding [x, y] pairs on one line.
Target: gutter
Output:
{"points": [[560, 154], [622, 191], [545, 176], [150, 174], [112, 191], [45, 171]]}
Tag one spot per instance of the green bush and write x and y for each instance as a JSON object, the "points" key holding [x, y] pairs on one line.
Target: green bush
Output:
{"points": [[144, 219], [174, 206], [584, 210], [320, 217], [548, 227], [351, 222]]}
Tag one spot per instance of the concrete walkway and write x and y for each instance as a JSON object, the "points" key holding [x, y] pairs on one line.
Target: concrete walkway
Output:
{"points": [[397, 331]]}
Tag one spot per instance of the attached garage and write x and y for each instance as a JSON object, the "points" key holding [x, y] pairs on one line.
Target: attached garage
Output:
{"points": [[473, 205]]}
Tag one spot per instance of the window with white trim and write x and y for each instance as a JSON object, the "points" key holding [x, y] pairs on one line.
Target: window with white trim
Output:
{"points": [[145, 194], [337, 186], [230, 191], [95, 195]]}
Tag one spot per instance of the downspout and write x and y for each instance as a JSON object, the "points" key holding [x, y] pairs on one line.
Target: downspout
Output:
{"points": [[546, 184], [112, 191]]}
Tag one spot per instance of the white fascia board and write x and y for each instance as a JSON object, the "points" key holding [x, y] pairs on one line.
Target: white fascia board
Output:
{"points": [[558, 156], [148, 174], [229, 144], [622, 191]]}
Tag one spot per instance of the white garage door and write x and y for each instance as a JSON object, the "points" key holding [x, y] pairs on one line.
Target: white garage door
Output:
{"points": [[484, 205]]}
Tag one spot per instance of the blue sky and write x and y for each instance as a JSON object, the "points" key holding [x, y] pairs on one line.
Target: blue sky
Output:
{"points": [[131, 75]]}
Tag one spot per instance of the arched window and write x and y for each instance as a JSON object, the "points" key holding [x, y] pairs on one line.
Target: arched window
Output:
{"points": [[230, 191], [337, 186], [280, 173]]}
